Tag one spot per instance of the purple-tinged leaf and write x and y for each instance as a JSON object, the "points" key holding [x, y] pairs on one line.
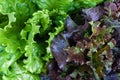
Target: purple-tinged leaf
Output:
{"points": [[93, 14], [75, 55], [70, 24], [52, 68], [57, 47], [112, 76]]}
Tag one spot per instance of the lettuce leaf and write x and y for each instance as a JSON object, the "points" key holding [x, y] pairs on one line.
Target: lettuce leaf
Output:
{"points": [[26, 34], [66, 5], [51, 37], [12, 45], [18, 72], [58, 18], [53, 4], [87, 3], [22, 9], [38, 24]]}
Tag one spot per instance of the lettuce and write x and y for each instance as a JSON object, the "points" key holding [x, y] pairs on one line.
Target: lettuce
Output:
{"points": [[18, 72], [66, 5], [19, 49], [53, 4], [87, 3], [33, 51], [9, 33], [89, 51], [14, 14], [58, 18], [27, 28]]}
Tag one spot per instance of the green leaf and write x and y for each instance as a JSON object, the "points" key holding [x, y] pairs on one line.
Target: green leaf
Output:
{"points": [[14, 13], [53, 4], [17, 72], [8, 60], [22, 9], [87, 3], [33, 63], [51, 37]]}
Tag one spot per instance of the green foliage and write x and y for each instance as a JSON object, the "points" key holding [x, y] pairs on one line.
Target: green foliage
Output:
{"points": [[53, 4], [87, 3], [18, 72], [66, 5]]}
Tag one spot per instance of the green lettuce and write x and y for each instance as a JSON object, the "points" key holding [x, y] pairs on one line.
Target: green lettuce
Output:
{"points": [[17, 72], [18, 44], [14, 14], [22, 9], [54, 4], [65, 5], [86, 3], [38, 24]]}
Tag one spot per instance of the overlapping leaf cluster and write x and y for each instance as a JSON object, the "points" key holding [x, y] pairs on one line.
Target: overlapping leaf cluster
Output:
{"points": [[23, 35], [89, 51], [27, 28]]}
